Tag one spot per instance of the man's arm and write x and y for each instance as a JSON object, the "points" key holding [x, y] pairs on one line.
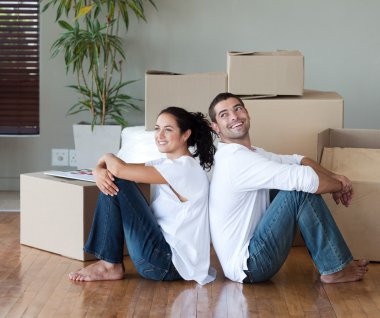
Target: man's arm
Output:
{"points": [[338, 185]]}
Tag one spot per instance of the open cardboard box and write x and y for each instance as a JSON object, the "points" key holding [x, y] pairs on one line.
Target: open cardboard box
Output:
{"points": [[360, 222]]}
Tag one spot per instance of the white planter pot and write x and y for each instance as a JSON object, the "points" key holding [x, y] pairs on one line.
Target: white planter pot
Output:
{"points": [[90, 145]]}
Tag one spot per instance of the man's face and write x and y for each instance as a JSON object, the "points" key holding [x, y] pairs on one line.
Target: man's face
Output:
{"points": [[232, 120]]}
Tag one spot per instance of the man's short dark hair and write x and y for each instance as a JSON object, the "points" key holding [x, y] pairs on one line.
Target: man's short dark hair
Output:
{"points": [[218, 98]]}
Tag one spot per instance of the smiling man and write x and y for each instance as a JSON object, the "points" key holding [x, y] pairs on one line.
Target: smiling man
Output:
{"points": [[251, 236]]}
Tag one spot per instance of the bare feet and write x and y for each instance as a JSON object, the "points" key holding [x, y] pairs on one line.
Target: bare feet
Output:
{"points": [[354, 271], [100, 270]]}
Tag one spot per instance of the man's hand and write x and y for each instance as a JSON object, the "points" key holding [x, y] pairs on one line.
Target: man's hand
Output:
{"points": [[346, 183], [345, 195], [344, 198], [105, 181]]}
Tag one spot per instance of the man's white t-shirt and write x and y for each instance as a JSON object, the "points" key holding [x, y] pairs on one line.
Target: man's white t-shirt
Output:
{"points": [[239, 197], [185, 225]]}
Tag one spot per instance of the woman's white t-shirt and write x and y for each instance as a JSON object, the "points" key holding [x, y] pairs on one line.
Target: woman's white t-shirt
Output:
{"points": [[185, 225]]}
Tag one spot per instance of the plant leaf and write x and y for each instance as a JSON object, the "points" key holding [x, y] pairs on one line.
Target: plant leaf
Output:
{"points": [[83, 11]]}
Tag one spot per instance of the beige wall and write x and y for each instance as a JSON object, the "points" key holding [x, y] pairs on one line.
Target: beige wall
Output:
{"points": [[339, 39]]}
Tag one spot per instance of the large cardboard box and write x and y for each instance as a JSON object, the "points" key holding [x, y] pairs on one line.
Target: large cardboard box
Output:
{"points": [[193, 92], [57, 213], [359, 159], [265, 73], [290, 125]]}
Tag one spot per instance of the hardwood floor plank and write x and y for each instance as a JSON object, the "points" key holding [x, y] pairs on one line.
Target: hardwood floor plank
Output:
{"points": [[218, 298], [160, 300], [145, 299], [203, 303], [184, 303], [23, 287], [98, 300], [56, 300], [46, 302], [236, 300]]}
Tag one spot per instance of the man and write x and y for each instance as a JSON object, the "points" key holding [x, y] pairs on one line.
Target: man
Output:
{"points": [[251, 236]]}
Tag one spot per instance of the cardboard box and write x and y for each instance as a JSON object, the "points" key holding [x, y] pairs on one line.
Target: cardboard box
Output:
{"points": [[193, 92], [265, 73], [289, 125], [360, 222], [57, 213]]}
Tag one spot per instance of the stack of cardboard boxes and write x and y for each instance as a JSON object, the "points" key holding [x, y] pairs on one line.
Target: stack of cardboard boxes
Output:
{"points": [[285, 117]]}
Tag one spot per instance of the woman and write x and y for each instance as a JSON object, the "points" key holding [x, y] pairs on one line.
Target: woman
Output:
{"points": [[170, 239]]}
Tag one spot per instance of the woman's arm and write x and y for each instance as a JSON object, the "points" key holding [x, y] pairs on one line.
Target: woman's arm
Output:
{"points": [[131, 171]]}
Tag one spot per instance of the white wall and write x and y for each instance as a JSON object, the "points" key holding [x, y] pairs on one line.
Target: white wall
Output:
{"points": [[339, 39]]}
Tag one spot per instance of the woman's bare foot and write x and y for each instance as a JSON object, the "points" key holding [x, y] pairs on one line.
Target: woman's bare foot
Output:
{"points": [[354, 271], [100, 270]]}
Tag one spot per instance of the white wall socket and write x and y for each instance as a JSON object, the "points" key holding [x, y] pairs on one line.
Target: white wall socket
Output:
{"points": [[59, 157], [72, 158]]}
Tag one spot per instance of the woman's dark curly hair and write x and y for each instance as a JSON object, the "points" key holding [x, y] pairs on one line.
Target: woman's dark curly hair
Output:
{"points": [[202, 135]]}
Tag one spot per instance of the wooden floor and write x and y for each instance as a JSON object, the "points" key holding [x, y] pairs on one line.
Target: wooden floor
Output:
{"points": [[34, 283]]}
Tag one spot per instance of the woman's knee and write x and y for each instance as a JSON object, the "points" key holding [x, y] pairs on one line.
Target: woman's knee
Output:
{"points": [[124, 183]]}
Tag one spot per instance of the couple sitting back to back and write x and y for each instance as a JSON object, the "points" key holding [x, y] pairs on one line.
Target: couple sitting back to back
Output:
{"points": [[170, 238]]}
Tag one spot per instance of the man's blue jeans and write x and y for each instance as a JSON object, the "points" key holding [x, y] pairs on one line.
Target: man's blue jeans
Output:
{"points": [[274, 235], [127, 216]]}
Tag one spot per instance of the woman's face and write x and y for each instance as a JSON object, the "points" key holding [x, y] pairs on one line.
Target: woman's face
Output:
{"points": [[168, 136]]}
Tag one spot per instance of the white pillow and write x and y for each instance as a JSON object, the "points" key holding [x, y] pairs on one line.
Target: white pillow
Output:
{"points": [[138, 145]]}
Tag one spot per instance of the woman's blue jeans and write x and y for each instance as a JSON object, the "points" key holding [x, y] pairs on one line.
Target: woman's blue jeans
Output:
{"points": [[127, 216], [274, 235]]}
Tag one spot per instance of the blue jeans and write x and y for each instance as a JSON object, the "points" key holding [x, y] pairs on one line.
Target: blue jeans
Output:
{"points": [[127, 216], [274, 235]]}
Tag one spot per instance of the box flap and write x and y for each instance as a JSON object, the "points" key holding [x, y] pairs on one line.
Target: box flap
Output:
{"points": [[154, 72], [245, 97], [323, 141], [206, 74], [308, 94], [352, 138], [274, 53]]}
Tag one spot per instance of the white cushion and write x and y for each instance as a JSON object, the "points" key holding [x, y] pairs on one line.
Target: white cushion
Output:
{"points": [[138, 145]]}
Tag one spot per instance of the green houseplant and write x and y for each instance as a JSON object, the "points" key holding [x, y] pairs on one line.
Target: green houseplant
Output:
{"points": [[93, 51]]}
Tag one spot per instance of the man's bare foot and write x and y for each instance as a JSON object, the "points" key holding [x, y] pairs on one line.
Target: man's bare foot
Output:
{"points": [[100, 270], [354, 271]]}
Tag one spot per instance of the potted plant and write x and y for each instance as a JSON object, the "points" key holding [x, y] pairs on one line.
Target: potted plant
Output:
{"points": [[94, 53]]}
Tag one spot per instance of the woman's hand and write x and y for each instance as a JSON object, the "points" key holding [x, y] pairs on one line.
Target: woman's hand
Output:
{"points": [[105, 180]]}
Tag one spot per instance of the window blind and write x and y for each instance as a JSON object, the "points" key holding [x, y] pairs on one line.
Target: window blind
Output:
{"points": [[19, 67]]}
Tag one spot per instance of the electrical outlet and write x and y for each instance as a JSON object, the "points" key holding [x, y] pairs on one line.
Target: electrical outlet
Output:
{"points": [[59, 157], [72, 158]]}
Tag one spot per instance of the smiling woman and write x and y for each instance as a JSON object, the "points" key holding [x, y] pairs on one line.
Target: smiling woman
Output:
{"points": [[168, 239], [19, 67]]}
